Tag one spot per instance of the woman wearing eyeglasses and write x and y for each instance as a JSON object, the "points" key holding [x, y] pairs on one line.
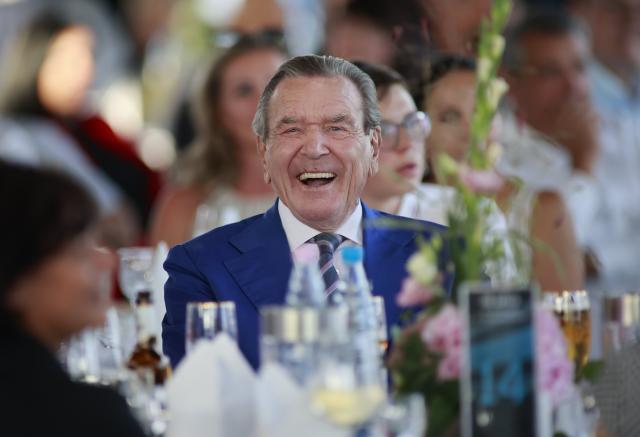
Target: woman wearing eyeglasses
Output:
{"points": [[397, 187]]}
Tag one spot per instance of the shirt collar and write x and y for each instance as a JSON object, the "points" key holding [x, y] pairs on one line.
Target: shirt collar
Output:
{"points": [[299, 233]]}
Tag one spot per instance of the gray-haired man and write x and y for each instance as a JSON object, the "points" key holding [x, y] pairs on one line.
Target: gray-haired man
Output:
{"points": [[319, 137]]}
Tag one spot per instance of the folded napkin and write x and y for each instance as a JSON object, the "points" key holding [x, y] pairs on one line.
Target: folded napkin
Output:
{"points": [[215, 393], [212, 392], [283, 408]]}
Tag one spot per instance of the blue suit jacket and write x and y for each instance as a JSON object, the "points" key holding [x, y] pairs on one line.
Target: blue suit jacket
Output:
{"points": [[249, 263]]}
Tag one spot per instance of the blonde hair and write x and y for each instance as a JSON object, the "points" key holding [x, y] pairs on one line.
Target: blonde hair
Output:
{"points": [[212, 159]]}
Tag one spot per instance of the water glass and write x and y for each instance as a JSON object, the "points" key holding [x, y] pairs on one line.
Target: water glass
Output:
{"points": [[206, 319], [136, 270], [290, 337], [403, 417]]}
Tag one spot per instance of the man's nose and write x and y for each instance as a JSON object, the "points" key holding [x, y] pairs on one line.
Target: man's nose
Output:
{"points": [[314, 143], [576, 84]]}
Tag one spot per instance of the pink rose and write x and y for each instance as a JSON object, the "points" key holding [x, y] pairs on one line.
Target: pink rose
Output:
{"points": [[449, 366], [413, 293], [443, 332], [481, 181], [555, 370]]}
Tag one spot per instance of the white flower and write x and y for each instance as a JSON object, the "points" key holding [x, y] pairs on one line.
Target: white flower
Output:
{"points": [[494, 152], [446, 164], [484, 69], [422, 268], [496, 46], [495, 91]]}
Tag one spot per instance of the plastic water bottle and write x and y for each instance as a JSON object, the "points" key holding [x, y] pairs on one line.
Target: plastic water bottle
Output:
{"points": [[362, 326], [306, 287]]}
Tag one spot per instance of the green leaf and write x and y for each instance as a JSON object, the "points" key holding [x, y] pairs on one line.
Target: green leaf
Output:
{"points": [[591, 371]]}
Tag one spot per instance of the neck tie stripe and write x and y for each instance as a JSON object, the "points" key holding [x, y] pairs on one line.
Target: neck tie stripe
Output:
{"points": [[327, 244]]}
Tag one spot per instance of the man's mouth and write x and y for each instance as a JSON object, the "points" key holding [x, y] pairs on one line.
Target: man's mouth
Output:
{"points": [[316, 179]]}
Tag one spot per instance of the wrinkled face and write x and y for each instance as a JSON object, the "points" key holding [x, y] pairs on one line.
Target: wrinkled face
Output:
{"points": [[450, 105], [616, 35], [243, 81], [317, 155], [402, 151], [552, 72], [67, 71], [68, 292]]}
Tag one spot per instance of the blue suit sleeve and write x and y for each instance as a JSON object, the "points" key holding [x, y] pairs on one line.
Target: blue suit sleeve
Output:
{"points": [[185, 284]]}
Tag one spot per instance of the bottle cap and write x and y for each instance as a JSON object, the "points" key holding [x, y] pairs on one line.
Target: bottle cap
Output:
{"points": [[352, 254]]}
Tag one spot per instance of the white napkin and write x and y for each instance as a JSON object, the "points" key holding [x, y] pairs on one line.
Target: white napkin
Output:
{"points": [[284, 409], [159, 277], [212, 393]]}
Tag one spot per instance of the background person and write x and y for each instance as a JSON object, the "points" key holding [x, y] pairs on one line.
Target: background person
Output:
{"points": [[50, 290], [221, 171]]}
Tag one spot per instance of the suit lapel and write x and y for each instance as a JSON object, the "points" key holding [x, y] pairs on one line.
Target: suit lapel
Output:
{"points": [[262, 270]]}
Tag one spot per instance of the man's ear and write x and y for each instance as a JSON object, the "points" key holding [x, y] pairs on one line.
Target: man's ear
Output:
{"points": [[376, 142], [262, 153]]}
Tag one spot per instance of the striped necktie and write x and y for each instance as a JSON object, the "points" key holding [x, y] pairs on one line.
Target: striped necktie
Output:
{"points": [[327, 244]]}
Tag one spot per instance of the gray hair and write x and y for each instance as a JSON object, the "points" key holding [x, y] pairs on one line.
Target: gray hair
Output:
{"points": [[319, 66], [542, 21]]}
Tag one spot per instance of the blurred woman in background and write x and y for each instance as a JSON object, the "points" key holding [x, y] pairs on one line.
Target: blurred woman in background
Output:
{"points": [[51, 289], [45, 121], [553, 254], [397, 187], [219, 180]]}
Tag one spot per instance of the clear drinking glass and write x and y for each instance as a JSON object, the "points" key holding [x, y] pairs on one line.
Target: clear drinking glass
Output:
{"points": [[381, 321], [347, 388], [206, 319], [403, 417], [573, 311], [135, 273]]}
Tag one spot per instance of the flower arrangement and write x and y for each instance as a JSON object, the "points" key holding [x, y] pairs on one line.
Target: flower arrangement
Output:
{"points": [[427, 355]]}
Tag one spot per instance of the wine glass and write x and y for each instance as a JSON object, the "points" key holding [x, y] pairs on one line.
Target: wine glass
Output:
{"points": [[206, 319], [135, 273], [573, 311]]}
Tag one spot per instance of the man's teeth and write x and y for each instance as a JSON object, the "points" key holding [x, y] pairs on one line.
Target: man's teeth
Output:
{"points": [[305, 176]]}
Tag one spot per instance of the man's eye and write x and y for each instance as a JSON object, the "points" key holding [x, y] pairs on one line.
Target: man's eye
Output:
{"points": [[337, 129], [291, 130]]}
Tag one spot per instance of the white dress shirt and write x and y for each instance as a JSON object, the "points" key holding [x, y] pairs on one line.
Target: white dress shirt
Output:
{"points": [[615, 236], [299, 233], [545, 166]]}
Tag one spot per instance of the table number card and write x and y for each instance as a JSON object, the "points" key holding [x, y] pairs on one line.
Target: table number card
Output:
{"points": [[498, 376]]}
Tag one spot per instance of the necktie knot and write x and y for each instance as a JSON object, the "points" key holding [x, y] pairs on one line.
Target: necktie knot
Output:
{"points": [[327, 244]]}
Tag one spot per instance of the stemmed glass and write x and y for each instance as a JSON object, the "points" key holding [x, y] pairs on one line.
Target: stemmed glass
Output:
{"points": [[135, 273], [206, 319], [573, 311]]}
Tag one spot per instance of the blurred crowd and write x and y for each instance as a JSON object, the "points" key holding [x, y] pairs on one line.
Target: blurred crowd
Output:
{"points": [[148, 105]]}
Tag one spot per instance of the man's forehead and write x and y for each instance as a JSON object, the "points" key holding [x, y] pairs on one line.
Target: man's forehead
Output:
{"points": [[545, 46], [315, 97]]}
